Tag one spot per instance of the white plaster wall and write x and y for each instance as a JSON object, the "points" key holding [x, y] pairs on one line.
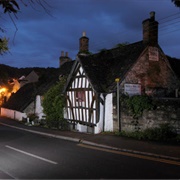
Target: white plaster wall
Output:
{"points": [[109, 113], [7, 113], [99, 126], [65, 113], [38, 107], [19, 115], [81, 128], [12, 114]]}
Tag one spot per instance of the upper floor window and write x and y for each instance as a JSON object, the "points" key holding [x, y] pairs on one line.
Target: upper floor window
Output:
{"points": [[80, 96]]}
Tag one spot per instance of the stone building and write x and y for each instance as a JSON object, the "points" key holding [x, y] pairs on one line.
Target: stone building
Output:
{"points": [[134, 69]]}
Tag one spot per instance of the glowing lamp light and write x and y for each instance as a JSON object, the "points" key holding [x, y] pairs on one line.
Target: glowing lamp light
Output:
{"points": [[117, 79], [2, 90]]}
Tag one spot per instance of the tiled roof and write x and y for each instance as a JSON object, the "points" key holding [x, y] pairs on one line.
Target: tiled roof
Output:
{"points": [[103, 68], [66, 68], [21, 99]]}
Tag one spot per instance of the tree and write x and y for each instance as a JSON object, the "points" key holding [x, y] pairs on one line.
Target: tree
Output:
{"points": [[176, 2], [53, 106], [3, 45], [12, 6]]}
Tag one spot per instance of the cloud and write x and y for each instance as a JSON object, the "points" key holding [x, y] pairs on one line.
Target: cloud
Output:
{"points": [[41, 36]]}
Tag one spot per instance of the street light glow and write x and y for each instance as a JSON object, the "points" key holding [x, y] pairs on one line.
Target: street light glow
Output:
{"points": [[2, 90]]}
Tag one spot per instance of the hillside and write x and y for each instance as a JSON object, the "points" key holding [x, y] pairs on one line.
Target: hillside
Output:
{"points": [[8, 72]]}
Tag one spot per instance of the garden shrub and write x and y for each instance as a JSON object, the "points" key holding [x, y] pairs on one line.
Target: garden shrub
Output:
{"points": [[137, 104], [53, 106], [164, 132]]}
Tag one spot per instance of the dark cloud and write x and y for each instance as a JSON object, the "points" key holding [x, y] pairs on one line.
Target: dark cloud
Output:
{"points": [[41, 36]]}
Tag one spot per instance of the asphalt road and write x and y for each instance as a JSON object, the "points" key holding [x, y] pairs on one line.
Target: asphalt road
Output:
{"points": [[25, 155]]}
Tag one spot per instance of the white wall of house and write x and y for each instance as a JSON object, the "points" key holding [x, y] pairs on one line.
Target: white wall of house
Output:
{"points": [[35, 107], [105, 118], [99, 126], [13, 114], [109, 113], [38, 107], [32, 108], [81, 128]]}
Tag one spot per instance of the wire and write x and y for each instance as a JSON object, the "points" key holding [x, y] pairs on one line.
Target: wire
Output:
{"points": [[162, 27]]}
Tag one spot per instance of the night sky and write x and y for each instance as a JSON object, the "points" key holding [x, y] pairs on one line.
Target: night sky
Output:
{"points": [[42, 35]]}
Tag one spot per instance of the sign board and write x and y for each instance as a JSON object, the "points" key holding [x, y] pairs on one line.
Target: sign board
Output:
{"points": [[132, 89], [153, 54]]}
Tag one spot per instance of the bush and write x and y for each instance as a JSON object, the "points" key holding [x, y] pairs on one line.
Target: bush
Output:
{"points": [[137, 104], [53, 106], [57, 124], [163, 133], [32, 117]]}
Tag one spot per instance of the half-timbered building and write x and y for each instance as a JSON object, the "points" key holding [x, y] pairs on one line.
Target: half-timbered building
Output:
{"points": [[91, 88]]}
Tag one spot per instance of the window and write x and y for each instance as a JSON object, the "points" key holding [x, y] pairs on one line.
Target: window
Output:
{"points": [[80, 96]]}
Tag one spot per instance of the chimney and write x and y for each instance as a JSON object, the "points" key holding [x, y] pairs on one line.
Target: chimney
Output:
{"points": [[63, 59], [83, 44], [62, 53], [150, 30]]}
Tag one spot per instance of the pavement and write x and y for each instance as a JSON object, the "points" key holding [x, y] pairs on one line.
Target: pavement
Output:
{"points": [[106, 141]]}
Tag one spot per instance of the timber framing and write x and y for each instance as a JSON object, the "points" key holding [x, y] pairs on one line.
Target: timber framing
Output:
{"points": [[82, 100]]}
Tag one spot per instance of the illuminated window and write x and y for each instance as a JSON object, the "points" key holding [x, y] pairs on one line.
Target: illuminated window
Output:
{"points": [[80, 96]]}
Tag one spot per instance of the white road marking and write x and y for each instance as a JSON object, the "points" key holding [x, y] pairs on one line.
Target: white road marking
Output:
{"points": [[32, 155]]}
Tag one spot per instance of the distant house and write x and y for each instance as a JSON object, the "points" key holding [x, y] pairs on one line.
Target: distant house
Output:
{"points": [[30, 78], [137, 68], [28, 99]]}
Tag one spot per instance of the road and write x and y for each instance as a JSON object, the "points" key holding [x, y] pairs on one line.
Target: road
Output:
{"points": [[25, 155]]}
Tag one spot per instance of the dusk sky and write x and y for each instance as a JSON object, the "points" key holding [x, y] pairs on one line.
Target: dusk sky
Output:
{"points": [[41, 36]]}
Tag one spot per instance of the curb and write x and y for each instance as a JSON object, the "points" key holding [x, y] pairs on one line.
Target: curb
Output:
{"points": [[81, 141], [44, 134], [130, 151]]}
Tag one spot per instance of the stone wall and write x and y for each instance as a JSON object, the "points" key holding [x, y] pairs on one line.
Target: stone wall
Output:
{"points": [[166, 112]]}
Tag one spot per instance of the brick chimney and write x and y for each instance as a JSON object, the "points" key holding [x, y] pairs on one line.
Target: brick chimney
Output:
{"points": [[83, 44], [64, 58], [150, 30]]}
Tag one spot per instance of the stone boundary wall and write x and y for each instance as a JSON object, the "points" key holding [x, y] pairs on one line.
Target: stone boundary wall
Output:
{"points": [[168, 111]]}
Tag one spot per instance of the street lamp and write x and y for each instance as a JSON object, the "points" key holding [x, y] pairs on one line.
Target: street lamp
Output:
{"points": [[2, 93], [117, 80]]}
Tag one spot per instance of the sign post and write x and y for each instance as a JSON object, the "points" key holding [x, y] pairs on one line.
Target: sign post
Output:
{"points": [[117, 80]]}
